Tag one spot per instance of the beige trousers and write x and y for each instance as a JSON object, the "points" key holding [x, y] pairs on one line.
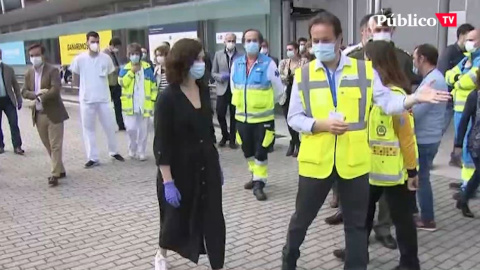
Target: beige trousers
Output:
{"points": [[51, 135]]}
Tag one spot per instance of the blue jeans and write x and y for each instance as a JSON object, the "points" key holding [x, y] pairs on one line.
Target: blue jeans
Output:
{"points": [[426, 153], [466, 157]]}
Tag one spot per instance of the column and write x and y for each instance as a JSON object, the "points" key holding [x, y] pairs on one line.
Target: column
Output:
{"points": [[442, 32], [352, 22], [285, 26]]}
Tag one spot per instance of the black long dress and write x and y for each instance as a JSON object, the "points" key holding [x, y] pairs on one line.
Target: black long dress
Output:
{"points": [[183, 140]]}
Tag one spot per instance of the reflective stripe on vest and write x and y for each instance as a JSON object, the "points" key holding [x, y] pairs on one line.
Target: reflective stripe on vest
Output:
{"points": [[349, 153], [360, 81]]}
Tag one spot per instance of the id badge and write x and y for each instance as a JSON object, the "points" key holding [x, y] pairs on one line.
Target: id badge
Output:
{"points": [[337, 116]]}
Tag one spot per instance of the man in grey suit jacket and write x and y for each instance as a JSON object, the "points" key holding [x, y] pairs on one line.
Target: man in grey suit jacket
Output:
{"points": [[221, 66], [10, 101]]}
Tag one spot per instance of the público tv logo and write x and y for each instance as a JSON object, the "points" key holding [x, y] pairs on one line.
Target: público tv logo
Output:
{"points": [[412, 20]]}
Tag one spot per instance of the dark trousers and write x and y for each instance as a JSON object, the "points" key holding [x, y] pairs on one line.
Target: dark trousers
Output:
{"points": [[398, 198], [224, 103], [10, 111], [295, 137], [354, 194], [116, 93], [473, 183]]}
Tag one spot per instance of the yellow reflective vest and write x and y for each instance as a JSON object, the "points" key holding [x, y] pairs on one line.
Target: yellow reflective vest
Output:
{"points": [[126, 80], [349, 152], [253, 94], [463, 80], [388, 168]]}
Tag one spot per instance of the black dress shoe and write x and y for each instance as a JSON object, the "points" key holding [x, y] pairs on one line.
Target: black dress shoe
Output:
{"points": [[233, 145], [223, 142], [53, 181], [62, 175], [387, 241], [290, 150], [465, 209], [339, 254], [258, 190], [248, 185], [91, 164], [336, 219], [19, 151], [118, 157], [457, 185]]}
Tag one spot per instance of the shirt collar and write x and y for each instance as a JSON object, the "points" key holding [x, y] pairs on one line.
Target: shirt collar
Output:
{"points": [[39, 70], [344, 60]]}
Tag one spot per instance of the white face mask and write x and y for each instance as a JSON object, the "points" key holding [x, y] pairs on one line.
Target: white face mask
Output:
{"points": [[115, 50], [264, 51], [385, 36], [470, 46], [302, 48], [160, 60], [36, 61], [230, 46], [93, 47]]}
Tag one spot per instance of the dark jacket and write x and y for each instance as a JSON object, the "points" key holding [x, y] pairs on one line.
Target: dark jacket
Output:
{"points": [[449, 58], [11, 85], [404, 59], [51, 101]]}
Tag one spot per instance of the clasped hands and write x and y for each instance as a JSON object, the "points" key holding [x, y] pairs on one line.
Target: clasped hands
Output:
{"points": [[334, 126]]}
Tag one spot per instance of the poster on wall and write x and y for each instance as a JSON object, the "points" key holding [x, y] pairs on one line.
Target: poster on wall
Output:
{"points": [[170, 33], [13, 53], [220, 37], [72, 45]]}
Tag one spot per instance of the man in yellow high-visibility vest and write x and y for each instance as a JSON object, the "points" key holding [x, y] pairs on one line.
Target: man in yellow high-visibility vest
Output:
{"points": [[330, 105]]}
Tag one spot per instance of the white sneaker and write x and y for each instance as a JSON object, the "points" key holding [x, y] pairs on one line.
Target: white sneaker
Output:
{"points": [[142, 157], [132, 155], [160, 261]]}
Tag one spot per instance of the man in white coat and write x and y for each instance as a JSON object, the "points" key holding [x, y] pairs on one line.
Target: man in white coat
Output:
{"points": [[90, 71]]}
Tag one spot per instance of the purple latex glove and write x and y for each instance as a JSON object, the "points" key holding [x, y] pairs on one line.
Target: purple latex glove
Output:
{"points": [[225, 77], [172, 195]]}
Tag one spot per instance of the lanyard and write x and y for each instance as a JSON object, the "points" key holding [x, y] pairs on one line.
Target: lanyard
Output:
{"points": [[333, 85]]}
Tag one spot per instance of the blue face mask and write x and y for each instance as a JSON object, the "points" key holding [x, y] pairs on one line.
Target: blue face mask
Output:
{"points": [[325, 52], [135, 58], [252, 47], [197, 70]]}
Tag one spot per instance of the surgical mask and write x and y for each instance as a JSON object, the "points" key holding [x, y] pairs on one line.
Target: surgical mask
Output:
{"points": [[161, 60], [144, 56], [252, 47], [197, 70], [93, 47], [230, 46], [470, 46], [325, 52], [115, 50], [135, 58], [290, 54], [36, 61], [385, 36], [302, 48], [264, 51]]}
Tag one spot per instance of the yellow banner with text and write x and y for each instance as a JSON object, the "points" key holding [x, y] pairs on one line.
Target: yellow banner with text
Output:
{"points": [[72, 45]]}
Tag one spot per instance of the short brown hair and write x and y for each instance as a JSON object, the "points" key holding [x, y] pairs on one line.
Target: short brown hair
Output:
{"points": [[180, 58], [134, 48], [163, 49], [325, 17], [35, 46]]}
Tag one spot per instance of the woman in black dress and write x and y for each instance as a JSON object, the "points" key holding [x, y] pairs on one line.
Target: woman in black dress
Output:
{"points": [[189, 181]]}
